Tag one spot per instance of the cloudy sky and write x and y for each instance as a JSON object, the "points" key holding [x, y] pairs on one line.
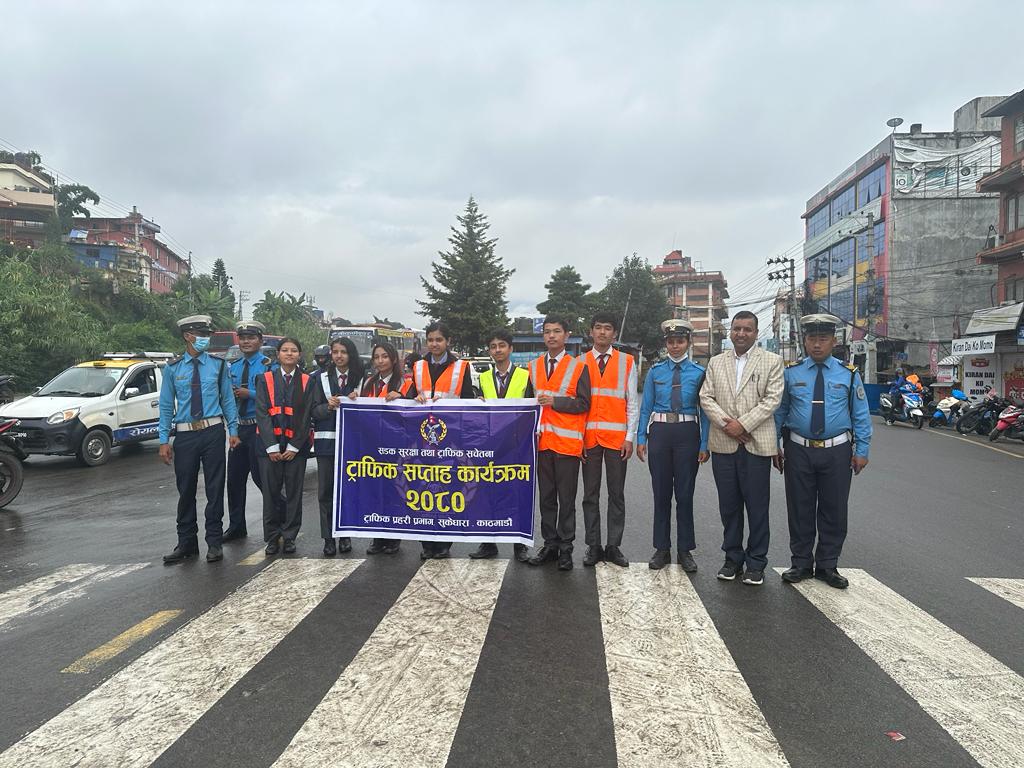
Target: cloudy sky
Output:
{"points": [[326, 148]]}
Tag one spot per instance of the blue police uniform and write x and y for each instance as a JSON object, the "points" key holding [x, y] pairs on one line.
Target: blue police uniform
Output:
{"points": [[677, 433], [821, 425], [244, 460], [196, 398]]}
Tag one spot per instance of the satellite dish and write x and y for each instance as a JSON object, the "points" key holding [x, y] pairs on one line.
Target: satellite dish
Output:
{"points": [[894, 122]]}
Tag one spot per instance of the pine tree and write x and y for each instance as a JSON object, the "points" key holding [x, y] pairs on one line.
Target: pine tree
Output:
{"points": [[648, 306], [220, 276], [469, 281], [568, 297]]}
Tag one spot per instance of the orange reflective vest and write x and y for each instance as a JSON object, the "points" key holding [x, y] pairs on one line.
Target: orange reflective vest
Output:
{"points": [[371, 387], [607, 422], [275, 411], [559, 432], [449, 384]]}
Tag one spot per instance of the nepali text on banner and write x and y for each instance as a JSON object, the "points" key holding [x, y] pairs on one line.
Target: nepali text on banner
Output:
{"points": [[451, 470]]}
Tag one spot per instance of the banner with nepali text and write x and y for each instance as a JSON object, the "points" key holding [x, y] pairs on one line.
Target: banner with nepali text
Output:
{"points": [[451, 470]]}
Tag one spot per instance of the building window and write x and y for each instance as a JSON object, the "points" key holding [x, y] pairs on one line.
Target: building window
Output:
{"points": [[1018, 134], [871, 186], [1013, 217], [862, 243], [1013, 289], [842, 257], [844, 203], [94, 252], [817, 222]]}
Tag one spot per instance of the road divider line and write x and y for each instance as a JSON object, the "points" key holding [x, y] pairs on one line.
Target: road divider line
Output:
{"points": [[400, 700], [58, 588], [1011, 590], [121, 643], [976, 698], [677, 695], [134, 716], [975, 442]]}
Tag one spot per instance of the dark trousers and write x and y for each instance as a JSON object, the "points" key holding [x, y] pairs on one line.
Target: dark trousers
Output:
{"points": [[672, 457], [325, 494], [615, 472], [206, 448], [817, 495], [285, 477], [242, 462], [743, 480], [558, 478]]}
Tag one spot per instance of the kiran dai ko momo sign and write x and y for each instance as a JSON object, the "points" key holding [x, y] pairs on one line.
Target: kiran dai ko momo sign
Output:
{"points": [[455, 470]]}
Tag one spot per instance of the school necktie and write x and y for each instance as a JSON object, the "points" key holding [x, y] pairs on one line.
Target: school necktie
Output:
{"points": [[196, 400], [677, 388], [818, 402], [502, 382], [342, 381], [287, 399], [551, 367], [602, 361]]}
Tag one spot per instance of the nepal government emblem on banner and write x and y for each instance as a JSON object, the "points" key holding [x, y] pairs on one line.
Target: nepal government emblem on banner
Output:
{"points": [[433, 430]]}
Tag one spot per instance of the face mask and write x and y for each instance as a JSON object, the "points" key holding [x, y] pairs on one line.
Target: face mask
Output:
{"points": [[201, 344]]}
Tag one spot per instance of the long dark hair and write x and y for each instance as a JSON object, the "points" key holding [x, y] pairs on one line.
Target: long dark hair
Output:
{"points": [[356, 369], [391, 352]]}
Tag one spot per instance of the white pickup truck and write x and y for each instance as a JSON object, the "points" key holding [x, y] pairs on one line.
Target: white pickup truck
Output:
{"points": [[93, 406]]}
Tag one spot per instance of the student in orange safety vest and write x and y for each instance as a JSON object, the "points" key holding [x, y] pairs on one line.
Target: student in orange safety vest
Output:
{"points": [[562, 385]]}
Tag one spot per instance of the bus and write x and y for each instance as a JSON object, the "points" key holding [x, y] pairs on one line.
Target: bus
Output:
{"points": [[405, 340]]}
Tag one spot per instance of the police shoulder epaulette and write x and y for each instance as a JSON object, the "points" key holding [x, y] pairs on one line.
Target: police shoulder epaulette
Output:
{"points": [[266, 361], [850, 367], [175, 360], [792, 364]]}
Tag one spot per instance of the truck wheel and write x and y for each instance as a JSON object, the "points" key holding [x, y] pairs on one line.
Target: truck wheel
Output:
{"points": [[95, 448], [11, 477]]}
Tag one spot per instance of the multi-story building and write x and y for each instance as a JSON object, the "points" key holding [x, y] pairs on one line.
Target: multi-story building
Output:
{"points": [[699, 297], [26, 204], [128, 246], [889, 242]]}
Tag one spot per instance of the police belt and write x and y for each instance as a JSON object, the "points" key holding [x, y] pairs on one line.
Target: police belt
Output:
{"points": [[246, 422], [672, 418], [195, 426], [829, 443]]}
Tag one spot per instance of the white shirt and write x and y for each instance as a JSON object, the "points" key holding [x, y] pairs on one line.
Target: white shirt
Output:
{"points": [[632, 400], [741, 363]]}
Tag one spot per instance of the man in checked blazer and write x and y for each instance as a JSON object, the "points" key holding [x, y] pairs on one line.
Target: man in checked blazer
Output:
{"points": [[742, 390]]}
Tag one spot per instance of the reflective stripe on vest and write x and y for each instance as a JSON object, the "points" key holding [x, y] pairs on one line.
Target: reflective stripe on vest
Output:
{"points": [[455, 372], [518, 379], [275, 410], [607, 421], [371, 386], [559, 432]]}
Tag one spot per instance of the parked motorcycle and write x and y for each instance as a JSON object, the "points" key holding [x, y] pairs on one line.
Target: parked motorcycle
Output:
{"points": [[981, 417], [947, 410], [912, 410], [12, 473], [1010, 424]]}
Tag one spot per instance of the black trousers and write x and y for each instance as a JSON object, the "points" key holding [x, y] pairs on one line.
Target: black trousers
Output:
{"points": [[325, 494], [243, 462], [558, 478], [205, 448], [285, 477], [615, 472], [817, 498], [672, 457], [743, 479]]}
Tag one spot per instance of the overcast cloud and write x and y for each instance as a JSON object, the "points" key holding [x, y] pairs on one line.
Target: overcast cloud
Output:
{"points": [[328, 147]]}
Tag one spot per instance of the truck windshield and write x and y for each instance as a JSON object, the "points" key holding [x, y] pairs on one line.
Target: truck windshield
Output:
{"points": [[83, 382]]}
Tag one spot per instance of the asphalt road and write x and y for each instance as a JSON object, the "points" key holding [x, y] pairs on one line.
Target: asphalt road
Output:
{"points": [[385, 662]]}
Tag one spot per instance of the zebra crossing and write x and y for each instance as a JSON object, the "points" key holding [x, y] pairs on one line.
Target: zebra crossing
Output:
{"points": [[677, 695]]}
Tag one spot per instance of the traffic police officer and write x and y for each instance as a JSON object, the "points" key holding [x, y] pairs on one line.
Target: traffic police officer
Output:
{"points": [[824, 428], [196, 397], [678, 440], [245, 461]]}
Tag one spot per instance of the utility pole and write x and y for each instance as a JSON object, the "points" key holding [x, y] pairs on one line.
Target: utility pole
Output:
{"points": [[622, 327], [781, 275], [243, 296], [191, 301]]}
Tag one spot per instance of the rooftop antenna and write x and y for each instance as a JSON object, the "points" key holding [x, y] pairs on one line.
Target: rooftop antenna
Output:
{"points": [[894, 123]]}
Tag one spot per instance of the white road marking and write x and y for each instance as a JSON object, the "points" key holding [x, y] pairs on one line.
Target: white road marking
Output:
{"points": [[399, 702], [977, 699], [139, 712], [1008, 589], [54, 590], [975, 442], [677, 696]]}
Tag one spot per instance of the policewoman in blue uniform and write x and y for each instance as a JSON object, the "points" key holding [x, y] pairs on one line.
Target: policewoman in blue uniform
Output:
{"points": [[244, 461], [824, 428], [674, 444], [197, 400]]}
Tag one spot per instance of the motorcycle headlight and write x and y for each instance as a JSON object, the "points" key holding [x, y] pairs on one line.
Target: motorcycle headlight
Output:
{"points": [[61, 416]]}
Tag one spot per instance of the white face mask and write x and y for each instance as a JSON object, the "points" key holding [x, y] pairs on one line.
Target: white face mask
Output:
{"points": [[677, 359]]}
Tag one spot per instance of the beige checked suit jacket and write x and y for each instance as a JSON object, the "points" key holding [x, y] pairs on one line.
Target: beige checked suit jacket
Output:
{"points": [[753, 403]]}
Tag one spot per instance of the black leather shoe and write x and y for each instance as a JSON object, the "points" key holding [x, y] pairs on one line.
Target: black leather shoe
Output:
{"points": [[484, 551], [344, 544], [686, 560], [230, 535], [795, 575], [426, 554], [442, 554], [392, 548], [612, 554], [522, 553], [832, 577], [659, 559], [214, 554], [592, 556], [545, 554], [565, 560], [289, 547], [273, 547], [330, 548], [375, 548], [180, 554], [730, 570]]}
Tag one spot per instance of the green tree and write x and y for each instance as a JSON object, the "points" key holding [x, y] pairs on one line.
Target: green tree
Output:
{"points": [[220, 276], [469, 281], [648, 306], [568, 297]]}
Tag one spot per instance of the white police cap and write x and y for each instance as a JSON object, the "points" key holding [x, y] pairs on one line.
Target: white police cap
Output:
{"points": [[819, 323], [676, 328], [250, 327], [195, 323]]}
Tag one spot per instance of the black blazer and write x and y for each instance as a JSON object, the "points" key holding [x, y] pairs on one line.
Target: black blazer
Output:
{"points": [[301, 405], [318, 400]]}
